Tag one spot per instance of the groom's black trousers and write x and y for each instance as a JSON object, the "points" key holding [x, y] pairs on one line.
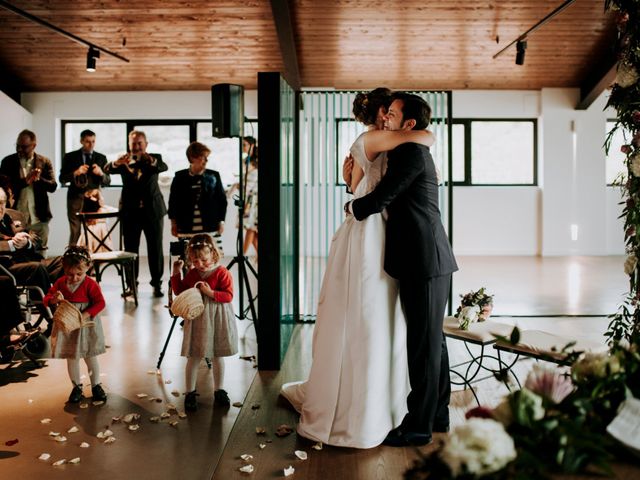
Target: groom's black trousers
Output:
{"points": [[423, 303]]}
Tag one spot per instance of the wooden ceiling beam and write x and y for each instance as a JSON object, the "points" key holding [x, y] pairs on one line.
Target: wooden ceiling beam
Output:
{"points": [[596, 83], [284, 28]]}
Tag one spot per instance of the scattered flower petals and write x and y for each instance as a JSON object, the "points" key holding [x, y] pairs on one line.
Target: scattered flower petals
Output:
{"points": [[255, 406], [261, 430], [165, 415], [283, 430], [133, 428], [317, 446], [152, 399], [237, 404], [100, 435], [108, 433], [246, 469], [75, 461], [45, 420], [54, 434], [142, 395], [44, 457], [30, 400], [262, 446], [110, 440], [301, 454], [97, 403], [59, 462], [171, 408], [84, 445], [182, 415], [73, 429], [289, 471], [151, 372], [61, 438], [154, 419], [168, 382], [246, 457], [175, 393], [174, 423], [130, 417], [116, 419], [11, 443], [84, 405]]}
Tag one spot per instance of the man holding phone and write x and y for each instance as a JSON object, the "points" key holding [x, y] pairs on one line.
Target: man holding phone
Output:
{"points": [[142, 207], [83, 170]]}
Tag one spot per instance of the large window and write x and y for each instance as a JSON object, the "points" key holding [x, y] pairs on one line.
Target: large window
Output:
{"points": [[615, 165], [170, 138], [494, 152], [347, 130]]}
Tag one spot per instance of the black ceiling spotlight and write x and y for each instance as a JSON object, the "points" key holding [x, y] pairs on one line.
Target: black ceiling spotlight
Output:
{"points": [[92, 55], [521, 46]]}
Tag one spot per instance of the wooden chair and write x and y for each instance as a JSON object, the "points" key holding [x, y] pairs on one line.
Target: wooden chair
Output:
{"points": [[103, 255]]}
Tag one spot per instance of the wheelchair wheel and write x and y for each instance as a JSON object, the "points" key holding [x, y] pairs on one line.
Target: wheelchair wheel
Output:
{"points": [[36, 345], [6, 355]]}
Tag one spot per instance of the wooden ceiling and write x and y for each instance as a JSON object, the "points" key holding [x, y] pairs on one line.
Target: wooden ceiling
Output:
{"points": [[345, 44]]}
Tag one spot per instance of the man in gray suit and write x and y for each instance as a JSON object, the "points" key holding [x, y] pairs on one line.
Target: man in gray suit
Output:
{"points": [[83, 170], [419, 255]]}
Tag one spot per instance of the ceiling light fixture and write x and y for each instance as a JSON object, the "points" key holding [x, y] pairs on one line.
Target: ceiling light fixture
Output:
{"points": [[92, 55], [521, 47], [91, 58], [521, 43]]}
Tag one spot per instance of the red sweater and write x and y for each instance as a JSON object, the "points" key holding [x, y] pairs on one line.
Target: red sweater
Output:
{"points": [[88, 292], [220, 281]]}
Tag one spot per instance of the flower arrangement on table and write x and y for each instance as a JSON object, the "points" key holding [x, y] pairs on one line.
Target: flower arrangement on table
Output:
{"points": [[474, 307]]}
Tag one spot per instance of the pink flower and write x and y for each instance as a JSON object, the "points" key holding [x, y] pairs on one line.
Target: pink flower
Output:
{"points": [[479, 412], [549, 383], [625, 149]]}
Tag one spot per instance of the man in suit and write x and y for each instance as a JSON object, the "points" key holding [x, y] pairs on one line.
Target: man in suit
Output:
{"points": [[32, 179], [141, 203], [419, 256], [83, 170]]}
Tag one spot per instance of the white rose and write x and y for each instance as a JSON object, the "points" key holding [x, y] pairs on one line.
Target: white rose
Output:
{"points": [[478, 447], [468, 315], [630, 264], [626, 75], [597, 365]]}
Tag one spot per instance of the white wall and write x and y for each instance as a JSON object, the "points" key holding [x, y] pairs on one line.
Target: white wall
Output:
{"points": [[487, 220], [13, 119], [49, 108]]}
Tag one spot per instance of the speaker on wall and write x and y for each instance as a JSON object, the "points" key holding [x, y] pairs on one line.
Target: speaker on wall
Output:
{"points": [[227, 110]]}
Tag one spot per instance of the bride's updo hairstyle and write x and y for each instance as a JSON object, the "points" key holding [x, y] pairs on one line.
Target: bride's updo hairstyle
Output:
{"points": [[366, 105]]}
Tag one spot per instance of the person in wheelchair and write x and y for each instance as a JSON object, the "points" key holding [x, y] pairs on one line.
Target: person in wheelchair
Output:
{"points": [[197, 202], [11, 314], [18, 254]]}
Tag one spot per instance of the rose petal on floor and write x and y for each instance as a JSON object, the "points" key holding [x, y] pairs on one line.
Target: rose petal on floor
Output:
{"points": [[73, 429], [262, 446], [97, 403], [154, 419], [60, 438], [44, 457], [284, 430], [45, 420], [84, 405], [84, 445], [110, 440], [260, 430], [302, 455], [11, 443], [59, 462], [246, 469], [133, 428], [54, 434], [317, 446], [289, 471], [75, 461], [142, 395], [237, 404], [246, 457]]}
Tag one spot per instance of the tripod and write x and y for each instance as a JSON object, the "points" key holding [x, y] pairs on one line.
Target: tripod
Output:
{"points": [[240, 259]]}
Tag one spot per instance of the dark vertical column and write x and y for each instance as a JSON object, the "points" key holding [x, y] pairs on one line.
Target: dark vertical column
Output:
{"points": [[268, 328]]}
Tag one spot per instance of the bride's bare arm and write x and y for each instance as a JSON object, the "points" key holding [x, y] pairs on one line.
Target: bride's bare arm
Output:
{"points": [[376, 141]]}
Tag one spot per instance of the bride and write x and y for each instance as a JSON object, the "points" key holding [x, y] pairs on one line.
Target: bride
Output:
{"points": [[358, 384]]}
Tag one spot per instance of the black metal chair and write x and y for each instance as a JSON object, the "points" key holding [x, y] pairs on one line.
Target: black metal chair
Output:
{"points": [[102, 253]]}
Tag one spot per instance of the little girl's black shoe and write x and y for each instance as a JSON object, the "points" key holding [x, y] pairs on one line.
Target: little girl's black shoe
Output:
{"points": [[98, 393], [221, 398], [191, 401], [76, 394]]}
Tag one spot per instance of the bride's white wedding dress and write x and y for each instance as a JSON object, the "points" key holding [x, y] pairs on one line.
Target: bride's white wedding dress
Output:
{"points": [[358, 384]]}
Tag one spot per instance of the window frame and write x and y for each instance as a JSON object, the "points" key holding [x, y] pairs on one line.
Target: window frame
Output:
{"points": [[468, 160], [131, 123]]}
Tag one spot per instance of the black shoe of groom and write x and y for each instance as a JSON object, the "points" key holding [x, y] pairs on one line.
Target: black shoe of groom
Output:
{"points": [[402, 438]]}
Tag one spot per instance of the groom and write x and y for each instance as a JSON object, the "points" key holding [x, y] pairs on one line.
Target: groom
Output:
{"points": [[419, 256]]}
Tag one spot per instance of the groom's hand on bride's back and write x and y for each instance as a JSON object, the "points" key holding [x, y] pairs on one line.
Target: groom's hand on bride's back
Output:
{"points": [[347, 169]]}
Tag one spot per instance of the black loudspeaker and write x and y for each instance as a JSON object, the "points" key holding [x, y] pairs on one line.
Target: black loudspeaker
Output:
{"points": [[227, 110]]}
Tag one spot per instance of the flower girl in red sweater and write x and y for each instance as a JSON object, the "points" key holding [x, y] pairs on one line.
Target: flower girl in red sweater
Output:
{"points": [[88, 342], [214, 333]]}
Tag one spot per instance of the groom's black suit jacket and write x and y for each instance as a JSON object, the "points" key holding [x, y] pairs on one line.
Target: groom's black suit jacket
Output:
{"points": [[416, 243]]}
